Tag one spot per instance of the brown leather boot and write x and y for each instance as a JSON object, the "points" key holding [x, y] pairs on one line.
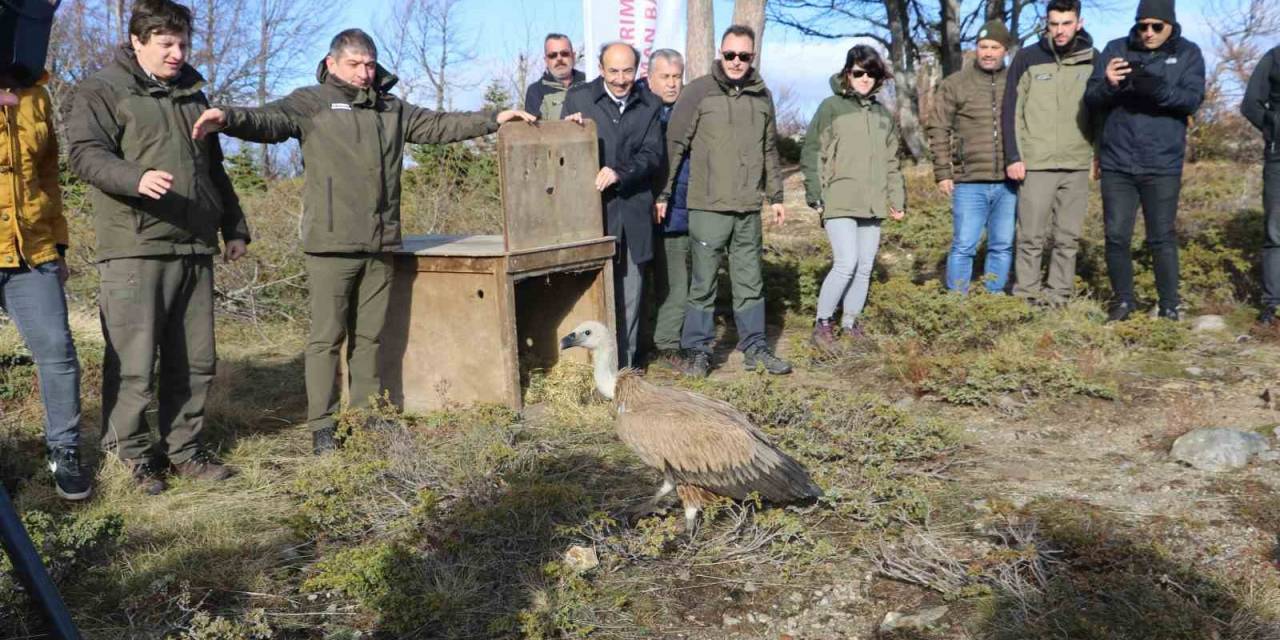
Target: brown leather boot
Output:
{"points": [[203, 466], [147, 475]]}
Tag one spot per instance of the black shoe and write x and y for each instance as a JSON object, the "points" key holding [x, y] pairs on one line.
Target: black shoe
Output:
{"points": [[147, 475], [1168, 314], [1267, 317], [760, 355], [695, 364], [69, 477], [324, 440], [1120, 311]]}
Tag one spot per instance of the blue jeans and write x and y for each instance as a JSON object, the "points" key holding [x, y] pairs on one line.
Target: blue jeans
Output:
{"points": [[33, 297], [992, 206]]}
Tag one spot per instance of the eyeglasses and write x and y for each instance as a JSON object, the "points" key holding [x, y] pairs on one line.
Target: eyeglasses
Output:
{"points": [[559, 54], [859, 73], [744, 56], [1154, 27]]}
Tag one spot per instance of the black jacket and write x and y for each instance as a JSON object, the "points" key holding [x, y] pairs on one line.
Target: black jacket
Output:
{"points": [[1261, 105], [1144, 130], [632, 145]]}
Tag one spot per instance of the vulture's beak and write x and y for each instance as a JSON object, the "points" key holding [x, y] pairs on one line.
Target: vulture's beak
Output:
{"points": [[569, 341]]}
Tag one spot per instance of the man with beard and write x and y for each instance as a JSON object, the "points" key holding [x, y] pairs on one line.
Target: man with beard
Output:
{"points": [[1048, 148]]}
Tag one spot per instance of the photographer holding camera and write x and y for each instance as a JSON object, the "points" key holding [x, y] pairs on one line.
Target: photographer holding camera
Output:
{"points": [[1146, 86]]}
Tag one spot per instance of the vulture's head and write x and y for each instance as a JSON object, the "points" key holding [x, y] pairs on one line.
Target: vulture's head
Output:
{"points": [[590, 335]]}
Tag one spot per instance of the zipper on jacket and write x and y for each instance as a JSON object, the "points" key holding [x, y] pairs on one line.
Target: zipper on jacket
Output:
{"points": [[995, 128], [11, 129], [382, 177], [329, 200]]}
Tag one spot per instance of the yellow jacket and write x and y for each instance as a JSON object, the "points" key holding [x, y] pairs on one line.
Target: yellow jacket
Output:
{"points": [[31, 221]]}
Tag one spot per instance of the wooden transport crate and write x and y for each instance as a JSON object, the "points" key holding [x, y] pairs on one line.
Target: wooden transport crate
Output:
{"points": [[471, 315]]}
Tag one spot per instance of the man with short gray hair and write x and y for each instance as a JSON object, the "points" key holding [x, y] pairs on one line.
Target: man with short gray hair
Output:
{"points": [[671, 253], [353, 131]]}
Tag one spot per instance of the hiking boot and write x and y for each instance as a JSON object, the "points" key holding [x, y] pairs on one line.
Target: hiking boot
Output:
{"points": [[668, 358], [760, 355], [147, 475], [1120, 311], [1268, 317], [1168, 314], [324, 440], [853, 333], [69, 478], [695, 364], [824, 335], [203, 466]]}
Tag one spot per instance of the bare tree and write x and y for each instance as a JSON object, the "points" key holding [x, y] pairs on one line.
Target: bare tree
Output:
{"points": [[285, 28], [699, 39], [786, 104], [751, 13], [1240, 36], [427, 43]]}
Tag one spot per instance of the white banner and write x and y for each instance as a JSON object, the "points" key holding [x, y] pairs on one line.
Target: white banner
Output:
{"points": [[648, 25]]}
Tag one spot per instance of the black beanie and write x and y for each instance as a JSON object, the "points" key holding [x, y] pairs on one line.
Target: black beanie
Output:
{"points": [[1156, 10]]}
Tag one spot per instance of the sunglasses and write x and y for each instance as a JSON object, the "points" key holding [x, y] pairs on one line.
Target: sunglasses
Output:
{"points": [[1153, 27], [859, 73], [744, 56], [559, 54]]}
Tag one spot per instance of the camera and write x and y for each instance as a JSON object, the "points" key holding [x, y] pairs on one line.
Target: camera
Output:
{"points": [[1141, 79], [24, 40]]}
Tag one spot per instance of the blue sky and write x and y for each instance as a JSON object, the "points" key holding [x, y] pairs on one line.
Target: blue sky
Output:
{"points": [[501, 29]]}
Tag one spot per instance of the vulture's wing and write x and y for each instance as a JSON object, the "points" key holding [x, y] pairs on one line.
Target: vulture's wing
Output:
{"points": [[706, 442]]}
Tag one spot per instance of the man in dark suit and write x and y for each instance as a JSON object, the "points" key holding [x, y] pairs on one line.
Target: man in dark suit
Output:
{"points": [[631, 152]]}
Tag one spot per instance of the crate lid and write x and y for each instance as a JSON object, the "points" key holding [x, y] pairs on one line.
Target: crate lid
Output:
{"points": [[547, 171]]}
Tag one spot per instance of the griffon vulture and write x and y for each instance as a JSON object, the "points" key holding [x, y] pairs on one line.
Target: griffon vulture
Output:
{"points": [[703, 447]]}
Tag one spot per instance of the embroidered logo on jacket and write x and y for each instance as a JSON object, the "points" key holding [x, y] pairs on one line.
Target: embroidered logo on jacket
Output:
{"points": [[340, 106]]}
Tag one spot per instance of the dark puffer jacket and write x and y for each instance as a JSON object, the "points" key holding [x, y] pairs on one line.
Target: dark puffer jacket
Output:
{"points": [[1261, 105], [964, 128], [1144, 130]]}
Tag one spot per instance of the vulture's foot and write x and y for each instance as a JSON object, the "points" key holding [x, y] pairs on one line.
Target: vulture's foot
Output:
{"points": [[644, 510]]}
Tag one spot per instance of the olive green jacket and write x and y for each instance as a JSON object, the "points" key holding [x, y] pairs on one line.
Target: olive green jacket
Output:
{"points": [[964, 126], [1045, 121], [123, 124], [850, 157], [353, 150], [729, 132]]}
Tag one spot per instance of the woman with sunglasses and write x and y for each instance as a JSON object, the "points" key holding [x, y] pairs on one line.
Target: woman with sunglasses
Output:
{"points": [[852, 178]]}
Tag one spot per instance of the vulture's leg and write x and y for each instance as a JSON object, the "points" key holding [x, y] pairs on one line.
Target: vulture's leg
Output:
{"points": [[651, 505], [690, 519]]}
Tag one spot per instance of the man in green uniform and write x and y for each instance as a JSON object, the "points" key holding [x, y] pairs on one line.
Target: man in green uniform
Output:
{"points": [[159, 203], [725, 122], [353, 132]]}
